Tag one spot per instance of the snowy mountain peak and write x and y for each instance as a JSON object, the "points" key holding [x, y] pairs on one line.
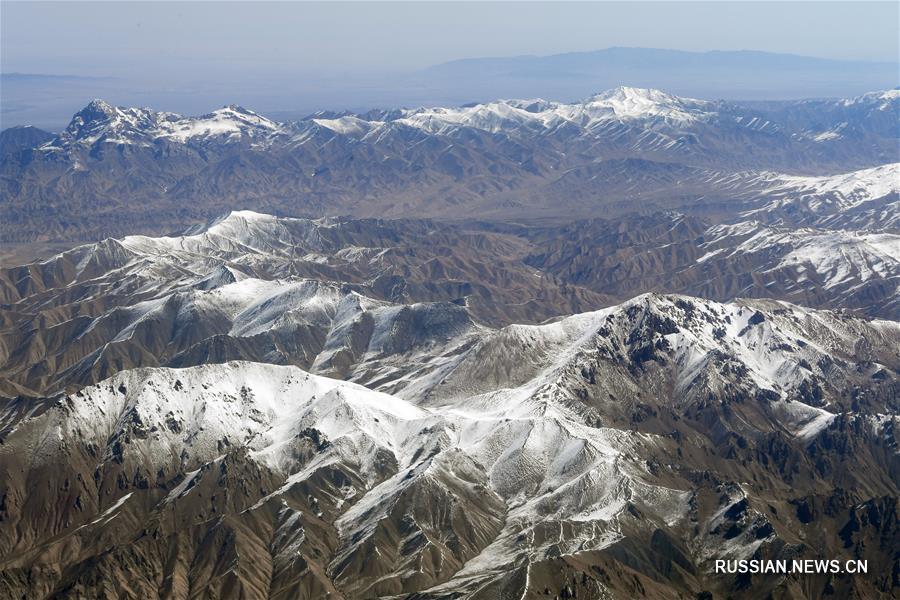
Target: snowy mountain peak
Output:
{"points": [[881, 100], [631, 103], [633, 94], [649, 108], [244, 115], [242, 225], [236, 108], [893, 94], [98, 108], [101, 122], [95, 113]]}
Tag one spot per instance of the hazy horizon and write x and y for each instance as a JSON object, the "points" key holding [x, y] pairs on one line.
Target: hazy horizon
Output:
{"points": [[290, 59]]}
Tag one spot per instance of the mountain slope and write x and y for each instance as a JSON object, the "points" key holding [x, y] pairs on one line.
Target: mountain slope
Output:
{"points": [[637, 439], [373, 301], [15, 139], [866, 199]]}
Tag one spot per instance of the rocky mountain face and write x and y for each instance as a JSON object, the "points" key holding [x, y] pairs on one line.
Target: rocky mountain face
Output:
{"points": [[17, 139], [610, 452], [260, 407], [520, 349], [846, 269], [505, 159], [320, 294]]}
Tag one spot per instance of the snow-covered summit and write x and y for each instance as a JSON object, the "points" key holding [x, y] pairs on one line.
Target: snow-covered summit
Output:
{"points": [[641, 103], [867, 196], [230, 121], [97, 109], [856, 186], [699, 344], [882, 100], [837, 260], [626, 104], [102, 122], [259, 405]]}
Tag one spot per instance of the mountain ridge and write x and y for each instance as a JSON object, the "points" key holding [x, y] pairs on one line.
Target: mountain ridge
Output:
{"points": [[478, 447], [495, 161], [319, 293]]}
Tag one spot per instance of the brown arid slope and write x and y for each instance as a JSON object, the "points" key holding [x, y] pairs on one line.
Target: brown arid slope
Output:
{"points": [[257, 287], [610, 454]]}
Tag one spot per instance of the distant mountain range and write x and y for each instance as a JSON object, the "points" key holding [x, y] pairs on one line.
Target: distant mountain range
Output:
{"points": [[124, 170], [48, 100], [735, 75]]}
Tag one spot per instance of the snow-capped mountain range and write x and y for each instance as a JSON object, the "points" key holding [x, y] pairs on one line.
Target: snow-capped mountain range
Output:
{"points": [[653, 109], [529, 444], [255, 397], [100, 122], [500, 159], [321, 294], [514, 349]]}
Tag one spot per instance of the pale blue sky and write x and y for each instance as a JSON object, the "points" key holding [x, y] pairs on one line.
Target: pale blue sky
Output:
{"points": [[174, 39]]}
